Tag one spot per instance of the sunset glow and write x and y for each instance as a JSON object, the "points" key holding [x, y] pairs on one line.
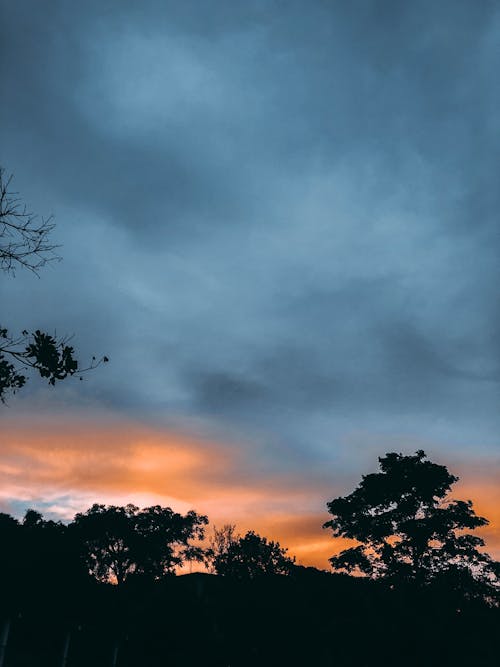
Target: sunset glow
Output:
{"points": [[64, 468]]}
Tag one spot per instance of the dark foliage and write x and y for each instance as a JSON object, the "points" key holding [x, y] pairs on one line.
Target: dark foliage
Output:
{"points": [[219, 543], [118, 542], [325, 619], [56, 596], [410, 532], [51, 357], [251, 556]]}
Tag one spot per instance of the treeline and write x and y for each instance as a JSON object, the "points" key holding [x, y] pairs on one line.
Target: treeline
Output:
{"points": [[307, 617], [113, 544], [102, 589], [408, 532]]}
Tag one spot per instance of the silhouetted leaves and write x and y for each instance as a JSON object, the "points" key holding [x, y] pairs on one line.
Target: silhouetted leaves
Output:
{"points": [[51, 357], [120, 541], [251, 556], [243, 619], [409, 530]]}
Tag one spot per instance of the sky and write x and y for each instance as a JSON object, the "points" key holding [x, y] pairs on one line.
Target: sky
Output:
{"points": [[280, 220]]}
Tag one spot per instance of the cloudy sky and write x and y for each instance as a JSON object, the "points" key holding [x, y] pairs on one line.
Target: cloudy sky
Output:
{"points": [[280, 220]]}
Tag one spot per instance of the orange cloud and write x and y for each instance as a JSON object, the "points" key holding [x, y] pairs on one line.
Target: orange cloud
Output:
{"points": [[69, 464], [482, 486]]}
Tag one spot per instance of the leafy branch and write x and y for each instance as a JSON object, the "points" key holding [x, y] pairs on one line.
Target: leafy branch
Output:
{"points": [[51, 357]]}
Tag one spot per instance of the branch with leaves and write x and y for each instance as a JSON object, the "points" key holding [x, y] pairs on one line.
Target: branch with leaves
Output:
{"points": [[51, 357]]}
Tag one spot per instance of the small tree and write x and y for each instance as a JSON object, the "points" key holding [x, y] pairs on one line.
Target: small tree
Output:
{"points": [[252, 556], [409, 530], [219, 543]]}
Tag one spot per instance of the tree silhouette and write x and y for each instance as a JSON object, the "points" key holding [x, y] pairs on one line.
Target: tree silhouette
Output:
{"points": [[251, 556], [10, 544], [24, 237], [410, 531], [25, 243], [163, 540], [120, 541], [219, 543], [48, 552]]}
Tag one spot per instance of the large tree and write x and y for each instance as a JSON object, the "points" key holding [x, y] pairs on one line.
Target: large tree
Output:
{"points": [[25, 243], [120, 541], [410, 530]]}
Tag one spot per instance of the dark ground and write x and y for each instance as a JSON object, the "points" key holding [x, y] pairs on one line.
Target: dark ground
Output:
{"points": [[310, 618]]}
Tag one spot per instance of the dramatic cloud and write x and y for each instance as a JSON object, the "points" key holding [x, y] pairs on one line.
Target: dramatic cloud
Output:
{"points": [[279, 220]]}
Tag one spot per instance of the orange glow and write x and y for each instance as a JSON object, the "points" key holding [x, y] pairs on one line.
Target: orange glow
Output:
{"points": [[70, 464], [483, 488]]}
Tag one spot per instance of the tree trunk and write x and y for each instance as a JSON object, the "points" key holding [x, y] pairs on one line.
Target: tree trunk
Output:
{"points": [[114, 660], [65, 652], [3, 640]]}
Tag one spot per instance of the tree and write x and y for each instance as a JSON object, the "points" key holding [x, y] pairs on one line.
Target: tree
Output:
{"points": [[9, 541], [36, 553], [25, 243], [251, 556], [49, 554], [219, 543], [120, 541], [410, 530], [164, 540]]}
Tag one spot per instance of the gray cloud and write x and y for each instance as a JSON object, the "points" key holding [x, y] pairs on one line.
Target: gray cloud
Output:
{"points": [[277, 218]]}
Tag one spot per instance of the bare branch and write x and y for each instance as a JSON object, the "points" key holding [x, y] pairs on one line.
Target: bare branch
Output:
{"points": [[24, 237]]}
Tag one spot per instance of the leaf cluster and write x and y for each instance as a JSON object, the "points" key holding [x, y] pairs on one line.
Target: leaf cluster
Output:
{"points": [[52, 357]]}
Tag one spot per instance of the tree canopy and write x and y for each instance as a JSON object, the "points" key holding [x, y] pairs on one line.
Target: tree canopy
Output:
{"points": [[120, 541], [249, 556], [410, 530]]}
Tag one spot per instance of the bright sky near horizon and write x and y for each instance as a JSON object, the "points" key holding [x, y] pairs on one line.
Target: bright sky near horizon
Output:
{"points": [[280, 220]]}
